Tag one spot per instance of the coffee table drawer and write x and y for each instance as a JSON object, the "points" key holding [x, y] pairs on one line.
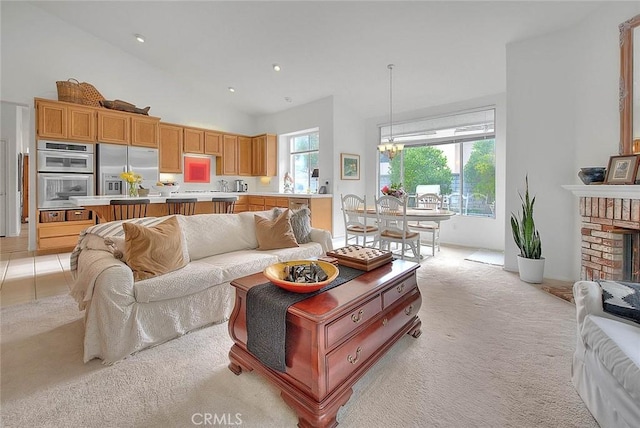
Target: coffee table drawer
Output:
{"points": [[349, 357], [398, 291], [343, 326]]}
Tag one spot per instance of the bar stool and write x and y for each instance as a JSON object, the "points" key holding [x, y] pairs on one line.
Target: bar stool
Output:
{"points": [[123, 209], [224, 205], [184, 206]]}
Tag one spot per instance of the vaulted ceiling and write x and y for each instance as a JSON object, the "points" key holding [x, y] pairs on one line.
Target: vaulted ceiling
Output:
{"points": [[443, 51]]}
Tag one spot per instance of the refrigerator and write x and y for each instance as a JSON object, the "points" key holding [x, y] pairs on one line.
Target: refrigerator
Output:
{"points": [[112, 159]]}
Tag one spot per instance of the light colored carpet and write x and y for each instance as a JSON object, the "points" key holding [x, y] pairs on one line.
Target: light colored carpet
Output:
{"points": [[487, 256], [495, 352]]}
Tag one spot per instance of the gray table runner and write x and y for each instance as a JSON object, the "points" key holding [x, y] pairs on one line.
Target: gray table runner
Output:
{"points": [[267, 306]]}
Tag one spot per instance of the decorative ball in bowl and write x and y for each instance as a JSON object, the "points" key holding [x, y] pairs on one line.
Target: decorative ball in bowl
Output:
{"points": [[279, 272], [592, 174], [166, 190]]}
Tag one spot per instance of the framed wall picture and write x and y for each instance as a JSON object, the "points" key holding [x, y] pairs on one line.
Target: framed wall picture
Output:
{"points": [[349, 166], [622, 169], [197, 170]]}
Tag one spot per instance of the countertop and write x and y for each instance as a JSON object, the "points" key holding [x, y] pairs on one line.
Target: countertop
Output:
{"points": [[155, 198]]}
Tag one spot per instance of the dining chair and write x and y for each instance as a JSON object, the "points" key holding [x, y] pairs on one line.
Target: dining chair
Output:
{"points": [[428, 201], [355, 222], [124, 209], [184, 206], [223, 205], [392, 222]]}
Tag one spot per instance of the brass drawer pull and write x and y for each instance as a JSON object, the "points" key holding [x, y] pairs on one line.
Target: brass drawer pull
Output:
{"points": [[354, 360], [385, 321], [400, 288], [357, 317], [408, 310]]}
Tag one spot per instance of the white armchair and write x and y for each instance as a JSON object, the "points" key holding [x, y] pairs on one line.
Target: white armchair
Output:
{"points": [[606, 364]]}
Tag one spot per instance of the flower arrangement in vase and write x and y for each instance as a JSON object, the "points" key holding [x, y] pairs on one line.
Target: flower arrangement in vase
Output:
{"points": [[394, 190], [134, 180]]}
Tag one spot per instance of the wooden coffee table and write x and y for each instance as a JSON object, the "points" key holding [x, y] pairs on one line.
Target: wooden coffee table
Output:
{"points": [[333, 338]]}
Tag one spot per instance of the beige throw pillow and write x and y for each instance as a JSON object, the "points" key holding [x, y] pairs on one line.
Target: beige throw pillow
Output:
{"points": [[153, 251], [274, 234]]}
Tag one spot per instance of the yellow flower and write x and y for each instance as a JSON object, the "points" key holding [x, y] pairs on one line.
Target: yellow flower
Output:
{"points": [[131, 177]]}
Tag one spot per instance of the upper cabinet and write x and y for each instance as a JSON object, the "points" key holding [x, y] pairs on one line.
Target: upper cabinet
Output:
{"points": [[265, 155], [114, 127], [212, 143], [244, 155], [227, 164], [126, 128], [74, 122], [65, 121], [144, 131], [193, 140], [170, 145]]}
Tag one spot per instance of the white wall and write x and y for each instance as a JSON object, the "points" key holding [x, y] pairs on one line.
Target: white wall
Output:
{"points": [[562, 114], [459, 230]]}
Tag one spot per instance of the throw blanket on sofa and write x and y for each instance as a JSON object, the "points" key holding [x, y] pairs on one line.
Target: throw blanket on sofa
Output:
{"points": [[93, 238]]}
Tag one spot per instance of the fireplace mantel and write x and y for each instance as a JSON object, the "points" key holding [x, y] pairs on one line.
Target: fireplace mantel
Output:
{"points": [[604, 190]]}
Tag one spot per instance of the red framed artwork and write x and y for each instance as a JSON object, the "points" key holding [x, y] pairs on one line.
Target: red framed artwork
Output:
{"points": [[197, 170]]}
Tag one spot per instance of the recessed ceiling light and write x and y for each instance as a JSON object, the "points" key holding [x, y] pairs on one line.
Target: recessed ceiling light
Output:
{"points": [[276, 67], [140, 38], [232, 89]]}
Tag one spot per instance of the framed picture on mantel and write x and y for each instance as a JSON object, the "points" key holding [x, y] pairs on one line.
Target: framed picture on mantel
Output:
{"points": [[622, 169]]}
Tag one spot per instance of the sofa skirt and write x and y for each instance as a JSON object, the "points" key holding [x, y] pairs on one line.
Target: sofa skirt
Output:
{"points": [[606, 399], [114, 330]]}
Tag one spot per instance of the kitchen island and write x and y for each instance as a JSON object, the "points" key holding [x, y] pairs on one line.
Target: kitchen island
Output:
{"points": [[319, 204]]}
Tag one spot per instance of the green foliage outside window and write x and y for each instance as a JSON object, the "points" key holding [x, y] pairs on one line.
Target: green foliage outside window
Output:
{"points": [[422, 165], [480, 169]]}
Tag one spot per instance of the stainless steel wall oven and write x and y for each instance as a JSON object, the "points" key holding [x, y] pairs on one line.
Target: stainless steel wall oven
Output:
{"points": [[64, 169]]}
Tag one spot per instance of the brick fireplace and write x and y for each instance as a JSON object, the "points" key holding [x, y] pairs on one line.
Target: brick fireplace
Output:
{"points": [[610, 232]]}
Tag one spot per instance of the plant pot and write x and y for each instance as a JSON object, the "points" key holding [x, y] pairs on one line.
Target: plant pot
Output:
{"points": [[531, 270]]}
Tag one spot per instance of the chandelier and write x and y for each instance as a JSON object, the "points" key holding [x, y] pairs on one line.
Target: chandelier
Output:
{"points": [[390, 149]]}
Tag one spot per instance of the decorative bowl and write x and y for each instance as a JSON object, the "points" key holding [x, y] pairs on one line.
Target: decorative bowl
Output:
{"points": [[592, 174], [143, 192], [275, 273], [166, 190]]}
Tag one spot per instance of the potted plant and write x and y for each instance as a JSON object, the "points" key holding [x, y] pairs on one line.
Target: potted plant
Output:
{"points": [[527, 238]]}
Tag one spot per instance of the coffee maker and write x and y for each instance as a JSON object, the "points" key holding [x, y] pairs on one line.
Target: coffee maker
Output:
{"points": [[241, 186]]}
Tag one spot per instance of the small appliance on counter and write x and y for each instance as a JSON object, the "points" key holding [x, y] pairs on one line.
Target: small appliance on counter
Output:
{"points": [[240, 186]]}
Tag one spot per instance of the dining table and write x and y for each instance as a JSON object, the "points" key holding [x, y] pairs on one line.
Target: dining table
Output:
{"points": [[416, 214]]}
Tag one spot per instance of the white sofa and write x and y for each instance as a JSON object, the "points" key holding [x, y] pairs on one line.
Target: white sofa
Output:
{"points": [[123, 316], [606, 363]]}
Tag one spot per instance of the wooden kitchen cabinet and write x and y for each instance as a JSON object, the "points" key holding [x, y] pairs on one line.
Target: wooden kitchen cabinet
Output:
{"points": [[65, 121], [57, 237], [114, 127], [242, 204], [144, 131], [244, 156], [212, 143], [227, 164], [193, 140], [170, 148], [265, 155], [274, 201]]}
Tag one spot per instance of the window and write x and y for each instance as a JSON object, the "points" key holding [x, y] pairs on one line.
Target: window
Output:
{"points": [[455, 154], [304, 159]]}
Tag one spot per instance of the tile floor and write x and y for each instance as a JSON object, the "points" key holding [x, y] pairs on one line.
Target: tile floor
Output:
{"points": [[27, 277]]}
